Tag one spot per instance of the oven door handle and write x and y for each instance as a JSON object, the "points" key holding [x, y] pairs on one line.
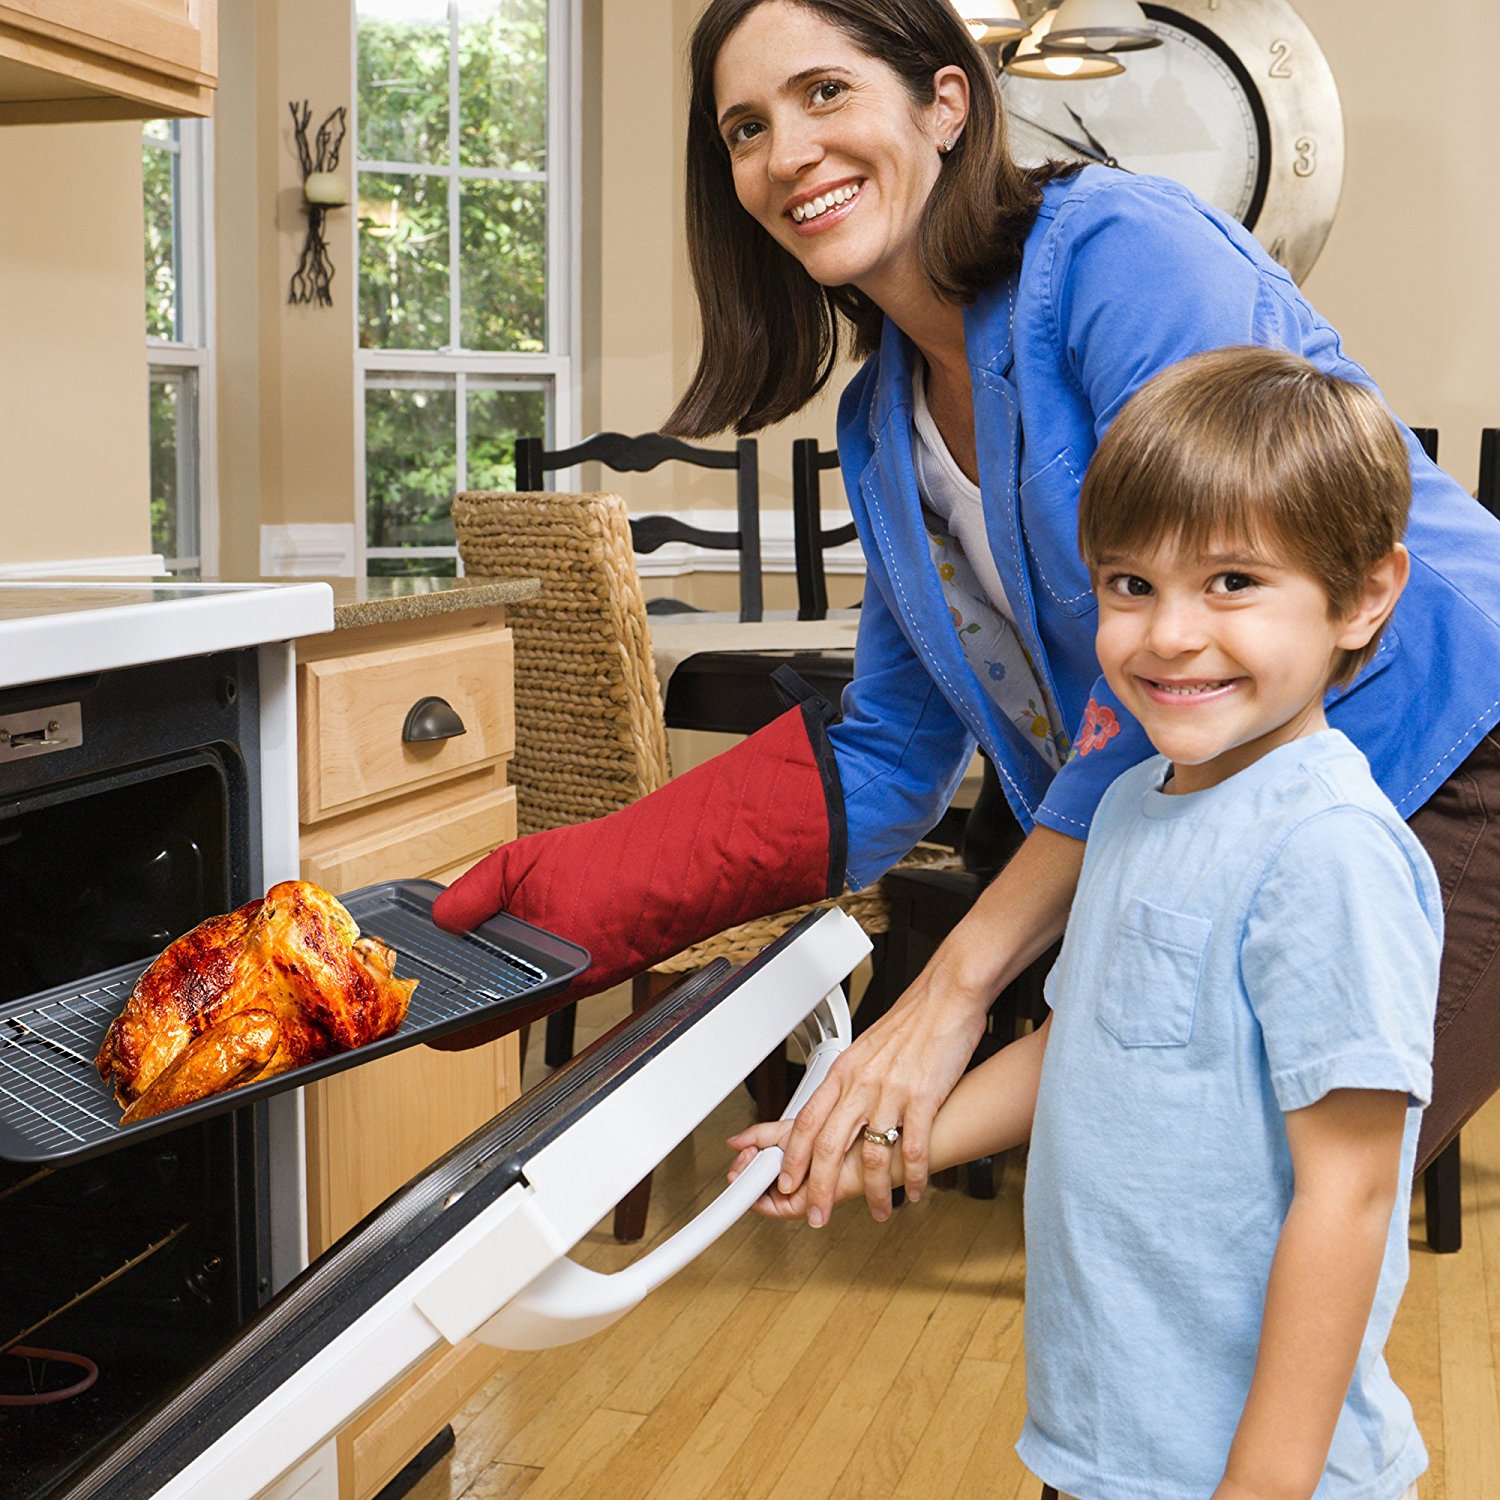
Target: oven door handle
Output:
{"points": [[569, 1302]]}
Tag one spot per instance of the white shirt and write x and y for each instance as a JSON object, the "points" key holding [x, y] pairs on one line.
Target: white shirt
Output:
{"points": [[971, 583]]}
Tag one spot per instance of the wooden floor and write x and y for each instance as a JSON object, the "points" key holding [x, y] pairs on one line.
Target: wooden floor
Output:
{"points": [[877, 1361]]}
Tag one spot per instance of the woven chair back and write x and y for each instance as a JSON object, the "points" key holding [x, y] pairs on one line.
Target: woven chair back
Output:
{"points": [[590, 736]]}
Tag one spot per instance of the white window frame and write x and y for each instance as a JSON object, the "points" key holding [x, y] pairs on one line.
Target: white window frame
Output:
{"points": [[193, 237], [557, 369]]}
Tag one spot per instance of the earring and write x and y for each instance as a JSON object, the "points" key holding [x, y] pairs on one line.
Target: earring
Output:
{"points": [[945, 146]]}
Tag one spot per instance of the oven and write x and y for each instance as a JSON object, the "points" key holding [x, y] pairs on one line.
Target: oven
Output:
{"points": [[137, 797], [160, 1331]]}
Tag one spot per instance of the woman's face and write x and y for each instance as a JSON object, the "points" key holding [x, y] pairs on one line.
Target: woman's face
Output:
{"points": [[829, 151]]}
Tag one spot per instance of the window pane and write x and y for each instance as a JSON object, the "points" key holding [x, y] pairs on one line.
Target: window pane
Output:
{"points": [[502, 84], [498, 415], [159, 171], [403, 261], [411, 442], [173, 408], [503, 263], [403, 80]]}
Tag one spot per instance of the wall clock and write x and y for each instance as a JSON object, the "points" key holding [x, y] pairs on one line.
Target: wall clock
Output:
{"points": [[1238, 104]]}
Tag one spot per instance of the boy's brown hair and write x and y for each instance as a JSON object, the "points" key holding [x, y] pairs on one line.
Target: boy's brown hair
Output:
{"points": [[1257, 444]]}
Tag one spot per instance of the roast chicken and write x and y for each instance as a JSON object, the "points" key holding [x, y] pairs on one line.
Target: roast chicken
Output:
{"points": [[282, 981]]}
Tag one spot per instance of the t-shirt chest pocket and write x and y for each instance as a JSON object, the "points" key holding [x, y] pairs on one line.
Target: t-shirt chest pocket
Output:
{"points": [[1151, 985]]}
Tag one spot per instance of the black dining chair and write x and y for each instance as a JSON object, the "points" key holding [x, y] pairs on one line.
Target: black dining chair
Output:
{"points": [[638, 455], [1488, 493], [810, 539]]}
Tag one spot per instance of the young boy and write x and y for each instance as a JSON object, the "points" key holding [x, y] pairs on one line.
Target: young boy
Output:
{"points": [[1224, 1130]]}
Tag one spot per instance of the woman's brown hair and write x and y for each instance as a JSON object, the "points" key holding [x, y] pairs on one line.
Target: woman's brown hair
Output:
{"points": [[1258, 445], [770, 332]]}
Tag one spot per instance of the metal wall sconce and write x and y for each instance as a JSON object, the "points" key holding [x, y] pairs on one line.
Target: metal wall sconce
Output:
{"points": [[322, 189]]}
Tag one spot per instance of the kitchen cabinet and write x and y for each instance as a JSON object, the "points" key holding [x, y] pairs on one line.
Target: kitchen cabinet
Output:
{"points": [[63, 60], [376, 807]]}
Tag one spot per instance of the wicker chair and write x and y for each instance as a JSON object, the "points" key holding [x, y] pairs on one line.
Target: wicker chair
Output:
{"points": [[590, 735]]}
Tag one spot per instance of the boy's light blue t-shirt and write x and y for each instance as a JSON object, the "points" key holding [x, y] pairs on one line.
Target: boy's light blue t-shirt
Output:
{"points": [[1232, 954]]}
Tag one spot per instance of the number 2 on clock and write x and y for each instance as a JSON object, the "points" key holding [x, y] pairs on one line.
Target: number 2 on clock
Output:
{"points": [[1281, 60]]}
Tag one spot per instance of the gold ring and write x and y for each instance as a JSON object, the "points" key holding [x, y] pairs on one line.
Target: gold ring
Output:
{"points": [[883, 1137]]}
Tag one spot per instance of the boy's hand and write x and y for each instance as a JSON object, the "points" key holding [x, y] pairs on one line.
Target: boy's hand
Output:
{"points": [[777, 1205]]}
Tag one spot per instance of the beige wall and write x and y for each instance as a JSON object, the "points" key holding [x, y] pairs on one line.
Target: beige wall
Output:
{"points": [[286, 396], [1408, 274], [73, 454]]}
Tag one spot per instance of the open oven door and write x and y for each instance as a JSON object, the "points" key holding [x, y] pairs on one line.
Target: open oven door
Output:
{"points": [[477, 1246]]}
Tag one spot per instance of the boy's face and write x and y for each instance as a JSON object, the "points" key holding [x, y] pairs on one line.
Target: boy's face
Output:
{"points": [[1221, 656]]}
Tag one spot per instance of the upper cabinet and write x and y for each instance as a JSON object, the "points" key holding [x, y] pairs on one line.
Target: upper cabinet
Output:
{"points": [[66, 60]]}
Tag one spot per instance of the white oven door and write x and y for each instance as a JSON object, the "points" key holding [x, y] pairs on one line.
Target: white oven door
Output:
{"points": [[477, 1246]]}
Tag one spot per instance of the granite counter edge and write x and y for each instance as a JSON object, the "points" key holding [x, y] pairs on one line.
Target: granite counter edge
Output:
{"points": [[350, 614]]}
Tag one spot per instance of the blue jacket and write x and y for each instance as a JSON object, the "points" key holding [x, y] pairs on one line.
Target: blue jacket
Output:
{"points": [[1121, 277]]}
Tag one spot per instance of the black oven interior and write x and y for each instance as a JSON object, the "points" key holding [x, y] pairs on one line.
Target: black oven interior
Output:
{"points": [[139, 1263], [163, 1219], [104, 873]]}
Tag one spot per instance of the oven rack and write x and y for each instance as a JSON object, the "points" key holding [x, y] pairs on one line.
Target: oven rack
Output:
{"points": [[55, 1108], [22, 1321]]}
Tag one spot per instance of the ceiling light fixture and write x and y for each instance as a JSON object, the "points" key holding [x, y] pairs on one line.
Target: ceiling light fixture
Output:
{"points": [[1101, 26], [992, 20], [1034, 59]]}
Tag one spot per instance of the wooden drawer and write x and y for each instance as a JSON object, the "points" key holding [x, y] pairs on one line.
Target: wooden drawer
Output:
{"points": [[424, 836], [377, 1445], [352, 709], [371, 1129]]}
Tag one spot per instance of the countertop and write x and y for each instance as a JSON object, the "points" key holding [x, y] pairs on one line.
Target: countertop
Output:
{"points": [[387, 601]]}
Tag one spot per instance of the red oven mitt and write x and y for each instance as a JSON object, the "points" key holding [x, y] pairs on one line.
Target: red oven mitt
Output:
{"points": [[755, 830]]}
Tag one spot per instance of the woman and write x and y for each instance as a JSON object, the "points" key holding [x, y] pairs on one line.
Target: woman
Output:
{"points": [[848, 171]]}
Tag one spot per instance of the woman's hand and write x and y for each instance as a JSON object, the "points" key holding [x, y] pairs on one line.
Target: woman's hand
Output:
{"points": [[990, 1110], [905, 1065], [897, 1073], [777, 1205]]}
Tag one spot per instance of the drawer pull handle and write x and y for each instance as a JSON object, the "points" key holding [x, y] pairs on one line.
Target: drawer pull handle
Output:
{"points": [[431, 719]]}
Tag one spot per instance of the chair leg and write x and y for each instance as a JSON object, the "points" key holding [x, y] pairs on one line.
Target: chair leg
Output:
{"points": [[559, 1048], [771, 1091], [631, 1210], [980, 1174], [1440, 1186], [888, 966]]}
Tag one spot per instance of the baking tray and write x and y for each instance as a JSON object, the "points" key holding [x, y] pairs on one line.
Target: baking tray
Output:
{"points": [[54, 1108]]}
